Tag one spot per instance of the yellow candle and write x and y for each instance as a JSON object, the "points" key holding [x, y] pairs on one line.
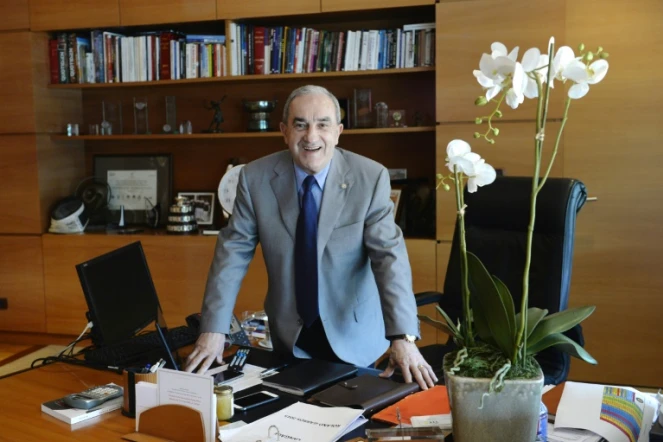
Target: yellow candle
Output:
{"points": [[224, 402]]}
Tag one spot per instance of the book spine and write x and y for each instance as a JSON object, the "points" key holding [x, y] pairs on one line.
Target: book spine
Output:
{"points": [[54, 62]]}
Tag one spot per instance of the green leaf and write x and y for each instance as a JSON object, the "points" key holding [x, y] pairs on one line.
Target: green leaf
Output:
{"points": [[481, 323], [559, 322], [437, 324], [450, 323], [563, 343], [534, 315], [489, 300], [507, 300]]}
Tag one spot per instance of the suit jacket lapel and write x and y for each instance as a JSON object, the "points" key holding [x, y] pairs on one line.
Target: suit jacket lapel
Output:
{"points": [[335, 195], [284, 188]]}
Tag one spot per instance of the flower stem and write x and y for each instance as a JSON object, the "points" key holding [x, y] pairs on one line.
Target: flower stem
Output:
{"points": [[460, 206], [557, 141]]}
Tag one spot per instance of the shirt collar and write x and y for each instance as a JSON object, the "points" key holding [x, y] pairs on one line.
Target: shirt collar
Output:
{"points": [[320, 177]]}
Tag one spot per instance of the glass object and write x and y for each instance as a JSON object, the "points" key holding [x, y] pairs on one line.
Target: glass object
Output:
{"points": [[186, 127], [412, 434], [141, 125], [111, 117], [171, 115], [224, 402], [381, 114], [362, 108], [93, 129], [249, 323], [72, 130]]}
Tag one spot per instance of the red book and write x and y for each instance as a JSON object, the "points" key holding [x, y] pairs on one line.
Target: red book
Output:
{"points": [[164, 55], [55, 63], [259, 50]]}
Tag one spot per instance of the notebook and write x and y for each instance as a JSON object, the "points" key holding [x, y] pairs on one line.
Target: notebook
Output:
{"points": [[366, 392], [308, 376]]}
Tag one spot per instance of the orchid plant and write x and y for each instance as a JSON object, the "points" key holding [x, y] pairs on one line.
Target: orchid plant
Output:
{"points": [[490, 328]]}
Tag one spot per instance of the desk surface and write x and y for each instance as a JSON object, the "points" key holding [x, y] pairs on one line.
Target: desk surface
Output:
{"points": [[22, 395]]}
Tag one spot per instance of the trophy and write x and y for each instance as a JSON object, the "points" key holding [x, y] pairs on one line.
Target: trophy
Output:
{"points": [[259, 114]]}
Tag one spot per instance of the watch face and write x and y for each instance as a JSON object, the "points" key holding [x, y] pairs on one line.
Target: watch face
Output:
{"points": [[228, 188]]}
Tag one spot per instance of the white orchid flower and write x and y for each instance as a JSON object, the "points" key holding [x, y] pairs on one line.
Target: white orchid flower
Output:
{"points": [[534, 64], [563, 57], [495, 69], [584, 75], [516, 94], [461, 157]]}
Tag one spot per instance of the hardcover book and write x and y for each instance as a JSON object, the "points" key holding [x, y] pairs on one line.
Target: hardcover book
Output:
{"points": [[59, 410], [308, 376]]}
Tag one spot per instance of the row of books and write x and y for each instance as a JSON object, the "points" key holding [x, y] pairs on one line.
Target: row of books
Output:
{"points": [[108, 57], [288, 50]]}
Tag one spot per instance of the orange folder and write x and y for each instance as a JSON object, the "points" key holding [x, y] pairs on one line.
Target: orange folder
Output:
{"points": [[424, 403]]}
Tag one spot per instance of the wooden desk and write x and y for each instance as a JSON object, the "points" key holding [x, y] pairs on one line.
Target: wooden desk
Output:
{"points": [[21, 396]]}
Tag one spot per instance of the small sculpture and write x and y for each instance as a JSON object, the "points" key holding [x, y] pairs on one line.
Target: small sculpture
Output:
{"points": [[215, 125]]}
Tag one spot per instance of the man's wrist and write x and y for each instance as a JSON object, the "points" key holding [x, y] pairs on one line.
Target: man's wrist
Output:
{"points": [[408, 338]]}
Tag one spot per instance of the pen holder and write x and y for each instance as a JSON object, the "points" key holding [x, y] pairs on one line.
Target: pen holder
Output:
{"points": [[130, 377]]}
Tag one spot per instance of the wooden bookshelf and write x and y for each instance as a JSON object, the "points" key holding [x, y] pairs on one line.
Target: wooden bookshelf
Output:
{"points": [[245, 78], [272, 134]]}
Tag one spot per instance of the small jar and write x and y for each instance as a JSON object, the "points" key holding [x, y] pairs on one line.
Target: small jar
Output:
{"points": [[224, 402]]}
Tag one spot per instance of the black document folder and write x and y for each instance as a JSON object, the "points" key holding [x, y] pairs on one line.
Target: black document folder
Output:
{"points": [[309, 376], [368, 392]]}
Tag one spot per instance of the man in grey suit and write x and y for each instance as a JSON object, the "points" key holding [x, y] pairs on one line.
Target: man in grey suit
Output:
{"points": [[352, 294]]}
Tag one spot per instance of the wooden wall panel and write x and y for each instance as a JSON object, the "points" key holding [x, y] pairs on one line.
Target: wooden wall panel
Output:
{"points": [[22, 283], [422, 260], [14, 15], [264, 8], [350, 5], [467, 29], [46, 15], [17, 112], [20, 194], [513, 152], [166, 11], [613, 145]]}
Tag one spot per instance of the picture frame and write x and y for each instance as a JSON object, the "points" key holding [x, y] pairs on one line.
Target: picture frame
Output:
{"points": [[395, 197], [204, 211], [140, 183]]}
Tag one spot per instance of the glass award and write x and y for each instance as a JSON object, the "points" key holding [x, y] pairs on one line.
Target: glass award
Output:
{"points": [[111, 118], [141, 125], [171, 116], [363, 111]]}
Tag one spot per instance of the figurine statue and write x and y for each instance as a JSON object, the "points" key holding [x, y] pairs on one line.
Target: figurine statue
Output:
{"points": [[215, 125]]}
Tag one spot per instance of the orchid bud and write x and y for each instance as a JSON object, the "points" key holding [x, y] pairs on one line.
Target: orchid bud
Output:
{"points": [[589, 56], [477, 135], [481, 101], [478, 120], [438, 176], [600, 49], [581, 47], [490, 140], [446, 187], [496, 131], [604, 55], [498, 113]]}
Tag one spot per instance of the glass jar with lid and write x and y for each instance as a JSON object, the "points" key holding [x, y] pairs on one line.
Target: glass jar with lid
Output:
{"points": [[225, 409]]}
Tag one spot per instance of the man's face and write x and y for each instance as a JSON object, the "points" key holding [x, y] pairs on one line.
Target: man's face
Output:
{"points": [[312, 131]]}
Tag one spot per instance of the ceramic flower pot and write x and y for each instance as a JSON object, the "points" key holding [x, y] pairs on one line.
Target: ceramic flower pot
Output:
{"points": [[511, 415]]}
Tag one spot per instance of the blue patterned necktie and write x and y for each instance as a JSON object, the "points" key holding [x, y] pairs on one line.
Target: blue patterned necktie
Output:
{"points": [[306, 256]]}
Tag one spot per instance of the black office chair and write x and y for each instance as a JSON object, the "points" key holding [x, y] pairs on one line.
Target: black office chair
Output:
{"points": [[496, 230]]}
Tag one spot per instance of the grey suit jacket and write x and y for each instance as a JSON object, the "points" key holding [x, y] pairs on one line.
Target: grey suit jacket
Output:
{"points": [[364, 281]]}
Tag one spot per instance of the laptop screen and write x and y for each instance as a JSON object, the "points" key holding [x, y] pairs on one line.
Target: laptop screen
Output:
{"points": [[120, 294]]}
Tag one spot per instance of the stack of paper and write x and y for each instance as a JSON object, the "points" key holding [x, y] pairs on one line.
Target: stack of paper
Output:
{"points": [[299, 422]]}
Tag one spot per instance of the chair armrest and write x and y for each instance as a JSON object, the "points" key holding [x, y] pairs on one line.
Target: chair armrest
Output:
{"points": [[425, 298]]}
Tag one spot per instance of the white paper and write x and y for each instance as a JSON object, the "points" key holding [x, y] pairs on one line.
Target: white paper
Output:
{"points": [[437, 420], [130, 188], [192, 390], [300, 422], [146, 397], [571, 435], [618, 414]]}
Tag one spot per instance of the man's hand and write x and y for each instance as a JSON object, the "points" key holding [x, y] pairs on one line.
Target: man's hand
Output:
{"points": [[406, 355], [209, 346]]}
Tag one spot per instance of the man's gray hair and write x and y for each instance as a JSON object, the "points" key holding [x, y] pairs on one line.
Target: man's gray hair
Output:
{"points": [[310, 89]]}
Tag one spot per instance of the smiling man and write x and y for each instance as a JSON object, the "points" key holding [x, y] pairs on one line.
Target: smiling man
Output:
{"points": [[339, 278]]}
